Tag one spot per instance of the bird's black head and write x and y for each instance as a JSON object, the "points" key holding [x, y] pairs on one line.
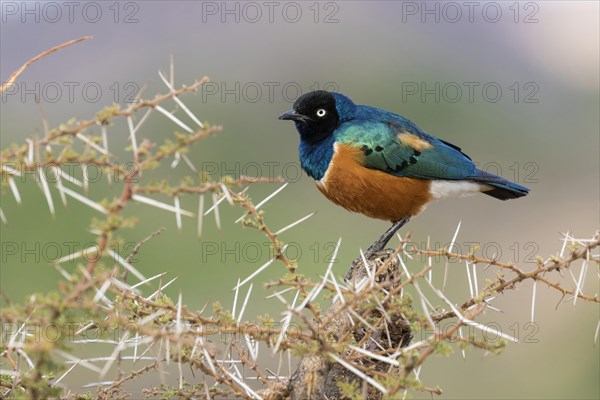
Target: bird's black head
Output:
{"points": [[315, 115]]}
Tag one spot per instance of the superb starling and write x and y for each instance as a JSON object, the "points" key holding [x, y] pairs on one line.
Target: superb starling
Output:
{"points": [[381, 164]]}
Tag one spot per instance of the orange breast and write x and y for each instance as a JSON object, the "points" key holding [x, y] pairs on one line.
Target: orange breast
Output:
{"points": [[373, 193]]}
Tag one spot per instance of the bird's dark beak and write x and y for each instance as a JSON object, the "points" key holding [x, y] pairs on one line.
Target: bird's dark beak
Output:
{"points": [[293, 115]]}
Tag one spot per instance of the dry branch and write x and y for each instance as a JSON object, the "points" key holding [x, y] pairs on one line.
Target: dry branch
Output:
{"points": [[13, 77], [318, 376]]}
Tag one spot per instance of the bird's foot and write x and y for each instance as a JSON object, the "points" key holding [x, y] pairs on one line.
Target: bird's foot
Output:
{"points": [[385, 238]]}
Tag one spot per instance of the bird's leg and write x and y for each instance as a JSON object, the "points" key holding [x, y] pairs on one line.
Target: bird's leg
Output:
{"points": [[385, 238]]}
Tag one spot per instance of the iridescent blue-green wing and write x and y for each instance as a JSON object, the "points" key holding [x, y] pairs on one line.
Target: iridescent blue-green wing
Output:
{"points": [[401, 149]]}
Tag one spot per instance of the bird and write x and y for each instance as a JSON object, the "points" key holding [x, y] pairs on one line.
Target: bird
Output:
{"points": [[381, 164]]}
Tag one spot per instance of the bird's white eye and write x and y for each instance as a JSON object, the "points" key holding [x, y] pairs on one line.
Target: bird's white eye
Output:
{"points": [[321, 112]]}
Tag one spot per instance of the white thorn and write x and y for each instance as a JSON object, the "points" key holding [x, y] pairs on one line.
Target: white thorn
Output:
{"points": [[279, 232], [460, 334], [337, 288], [328, 272], [475, 284], [173, 118], [158, 204], [404, 267], [430, 273], [178, 213], [100, 293], [239, 318], [88, 252], [82, 362], [564, 245], [386, 360], [148, 280], [178, 317], [134, 145], [126, 265], [533, 301], [252, 275], [46, 190], [142, 120], [469, 278], [10, 170], [14, 189], [278, 294], [29, 151], [70, 178], [59, 185], [57, 381], [189, 163], [246, 388], [104, 137], [176, 160], [424, 306], [200, 213], [466, 321], [450, 251], [85, 178], [215, 205], [179, 102], [217, 215], [359, 373], [163, 287], [226, 193], [85, 200], [113, 356], [580, 282], [86, 140], [367, 268], [269, 197], [317, 289], [285, 323], [235, 297]]}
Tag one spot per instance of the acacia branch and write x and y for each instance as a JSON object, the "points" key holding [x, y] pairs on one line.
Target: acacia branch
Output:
{"points": [[13, 77]]}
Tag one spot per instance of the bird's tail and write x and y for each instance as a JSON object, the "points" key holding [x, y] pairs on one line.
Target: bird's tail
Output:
{"points": [[502, 189]]}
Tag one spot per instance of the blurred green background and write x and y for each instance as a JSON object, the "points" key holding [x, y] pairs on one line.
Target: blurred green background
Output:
{"points": [[541, 130]]}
